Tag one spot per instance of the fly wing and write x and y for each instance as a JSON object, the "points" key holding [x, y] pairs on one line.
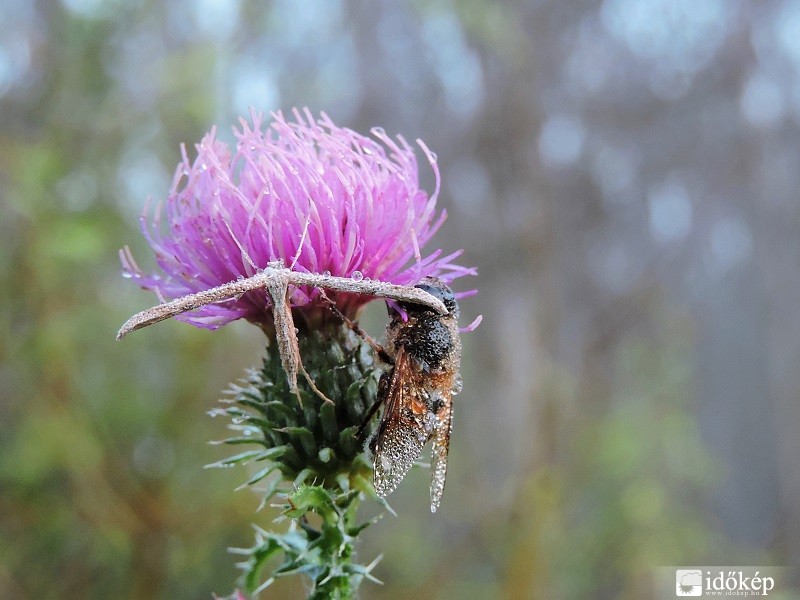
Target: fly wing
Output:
{"points": [[441, 446], [405, 427]]}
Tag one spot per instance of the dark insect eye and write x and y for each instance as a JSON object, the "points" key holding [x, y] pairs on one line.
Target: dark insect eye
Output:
{"points": [[440, 291]]}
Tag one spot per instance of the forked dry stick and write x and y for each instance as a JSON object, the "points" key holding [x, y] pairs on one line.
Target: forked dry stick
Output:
{"points": [[276, 279]]}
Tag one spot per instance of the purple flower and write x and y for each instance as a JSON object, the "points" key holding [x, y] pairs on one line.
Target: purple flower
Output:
{"points": [[320, 197]]}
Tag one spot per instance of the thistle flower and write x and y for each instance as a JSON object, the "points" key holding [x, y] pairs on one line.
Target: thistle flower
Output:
{"points": [[322, 198]]}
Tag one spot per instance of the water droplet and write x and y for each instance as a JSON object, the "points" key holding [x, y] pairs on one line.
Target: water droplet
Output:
{"points": [[127, 274], [357, 276], [326, 273], [458, 385]]}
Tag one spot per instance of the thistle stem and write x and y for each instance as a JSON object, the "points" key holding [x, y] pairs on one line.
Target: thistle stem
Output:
{"points": [[314, 462]]}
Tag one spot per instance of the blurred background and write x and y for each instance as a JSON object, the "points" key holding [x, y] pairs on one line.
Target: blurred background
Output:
{"points": [[625, 176]]}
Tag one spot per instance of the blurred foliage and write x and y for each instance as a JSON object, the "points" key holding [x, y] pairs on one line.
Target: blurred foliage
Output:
{"points": [[103, 443], [580, 457], [627, 500]]}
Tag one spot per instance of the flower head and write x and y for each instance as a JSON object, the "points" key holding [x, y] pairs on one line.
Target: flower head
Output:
{"points": [[319, 197]]}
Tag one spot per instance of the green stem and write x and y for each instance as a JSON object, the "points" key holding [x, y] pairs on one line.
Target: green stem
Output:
{"points": [[308, 456]]}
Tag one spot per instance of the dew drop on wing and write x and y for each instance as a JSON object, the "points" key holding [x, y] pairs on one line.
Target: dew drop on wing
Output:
{"points": [[326, 273], [458, 385], [357, 276], [386, 463]]}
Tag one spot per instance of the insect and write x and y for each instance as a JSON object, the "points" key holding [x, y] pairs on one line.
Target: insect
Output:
{"points": [[276, 279], [424, 350]]}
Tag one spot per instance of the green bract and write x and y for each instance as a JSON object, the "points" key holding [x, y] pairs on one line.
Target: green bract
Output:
{"points": [[307, 459]]}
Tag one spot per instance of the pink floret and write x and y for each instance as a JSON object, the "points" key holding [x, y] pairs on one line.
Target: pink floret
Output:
{"points": [[320, 197]]}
